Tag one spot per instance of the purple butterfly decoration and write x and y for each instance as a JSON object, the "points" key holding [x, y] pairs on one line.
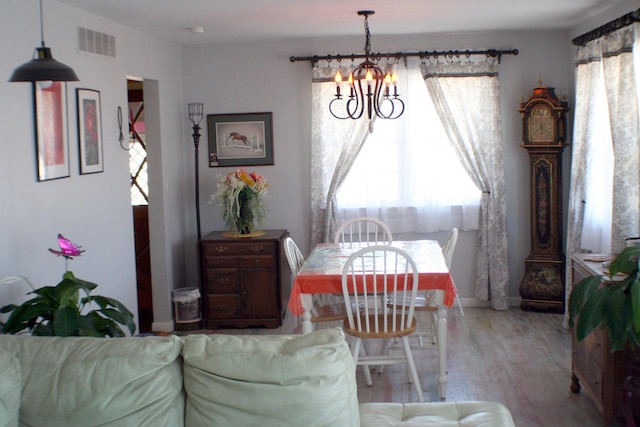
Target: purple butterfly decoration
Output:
{"points": [[68, 249]]}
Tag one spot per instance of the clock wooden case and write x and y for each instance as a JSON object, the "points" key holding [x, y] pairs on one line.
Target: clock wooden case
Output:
{"points": [[544, 137]]}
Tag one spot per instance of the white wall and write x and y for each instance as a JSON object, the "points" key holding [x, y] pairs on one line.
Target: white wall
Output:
{"points": [[94, 210]]}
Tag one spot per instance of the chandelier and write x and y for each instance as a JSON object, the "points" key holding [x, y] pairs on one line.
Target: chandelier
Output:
{"points": [[370, 88]]}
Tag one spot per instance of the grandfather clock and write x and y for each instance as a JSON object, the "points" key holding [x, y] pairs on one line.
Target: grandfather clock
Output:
{"points": [[544, 137]]}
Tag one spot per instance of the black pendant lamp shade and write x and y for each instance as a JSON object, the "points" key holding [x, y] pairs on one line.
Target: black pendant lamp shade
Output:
{"points": [[43, 67]]}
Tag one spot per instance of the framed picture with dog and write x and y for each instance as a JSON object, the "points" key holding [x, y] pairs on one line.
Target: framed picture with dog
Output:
{"points": [[243, 139]]}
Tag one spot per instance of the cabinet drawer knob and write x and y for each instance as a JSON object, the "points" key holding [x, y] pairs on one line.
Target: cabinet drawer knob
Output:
{"points": [[220, 249], [257, 248]]}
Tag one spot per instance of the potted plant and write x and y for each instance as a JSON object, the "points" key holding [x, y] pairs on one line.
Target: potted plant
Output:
{"points": [[615, 307], [61, 311]]}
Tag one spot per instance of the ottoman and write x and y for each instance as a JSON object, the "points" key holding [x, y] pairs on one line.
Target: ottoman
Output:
{"points": [[436, 414]]}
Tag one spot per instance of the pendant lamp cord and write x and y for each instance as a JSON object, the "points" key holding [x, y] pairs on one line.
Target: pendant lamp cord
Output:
{"points": [[41, 26]]}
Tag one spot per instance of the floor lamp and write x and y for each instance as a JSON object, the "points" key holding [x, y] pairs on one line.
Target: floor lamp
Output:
{"points": [[195, 115]]}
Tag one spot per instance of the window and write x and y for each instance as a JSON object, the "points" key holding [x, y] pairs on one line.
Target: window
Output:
{"points": [[596, 230], [407, 173]]}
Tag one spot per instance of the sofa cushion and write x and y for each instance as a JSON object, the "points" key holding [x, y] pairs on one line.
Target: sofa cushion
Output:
{"points": [[290, 380], [81, 381], [9, 390], [436, 414]]}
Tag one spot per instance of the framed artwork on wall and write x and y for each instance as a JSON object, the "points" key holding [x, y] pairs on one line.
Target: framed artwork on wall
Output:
{"points": [[52, 144], [240, 139], [89, 131]]}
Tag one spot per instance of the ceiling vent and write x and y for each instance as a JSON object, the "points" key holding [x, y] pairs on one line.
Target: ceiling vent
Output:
{"points": [[95, 42]]}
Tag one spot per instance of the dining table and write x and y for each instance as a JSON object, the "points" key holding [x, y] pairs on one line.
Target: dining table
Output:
{"points": [[322, 274]]}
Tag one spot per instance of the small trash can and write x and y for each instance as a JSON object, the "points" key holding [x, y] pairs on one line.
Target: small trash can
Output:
{"points": [[186, 303]]}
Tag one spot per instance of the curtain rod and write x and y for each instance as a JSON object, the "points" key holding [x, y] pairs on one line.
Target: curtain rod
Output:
{"points": [[607, 28], [493, 53]]}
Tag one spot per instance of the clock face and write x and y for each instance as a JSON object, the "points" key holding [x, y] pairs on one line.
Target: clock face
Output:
{"points": [[541, 124]]}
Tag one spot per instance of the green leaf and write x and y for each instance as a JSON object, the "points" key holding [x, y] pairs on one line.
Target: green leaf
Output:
{"points": [[43, 330], [26, 315], [88, 328], [7, 308], [625, 262], [580, 293], [107, 327], [634, 289], [66, 321], [47, 293], [84, 284], [120, 315], [69, 289], [67, 293], [593, 313], [620, 315]]}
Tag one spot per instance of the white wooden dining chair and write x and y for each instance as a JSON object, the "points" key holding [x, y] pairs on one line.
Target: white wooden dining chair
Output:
{"points": [[426, 336], [369, 277], [365, 230], [322, 309]]}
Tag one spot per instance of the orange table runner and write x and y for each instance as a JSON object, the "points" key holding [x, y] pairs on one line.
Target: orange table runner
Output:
{"points": [[322, 271]]}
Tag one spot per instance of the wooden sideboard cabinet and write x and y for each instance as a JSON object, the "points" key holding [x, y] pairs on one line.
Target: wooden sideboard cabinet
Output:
{"points": [[245, 282], [593, 367]]}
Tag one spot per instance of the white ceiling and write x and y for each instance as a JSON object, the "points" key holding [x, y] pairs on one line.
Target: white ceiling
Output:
{"points": [[252, 20]]}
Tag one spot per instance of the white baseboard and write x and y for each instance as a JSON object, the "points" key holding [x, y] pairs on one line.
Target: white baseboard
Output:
{"points": [[163, 326], [476, 302]]}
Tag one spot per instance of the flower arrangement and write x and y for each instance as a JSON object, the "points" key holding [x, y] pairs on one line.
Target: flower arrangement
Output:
{"points": [[241, 195]]}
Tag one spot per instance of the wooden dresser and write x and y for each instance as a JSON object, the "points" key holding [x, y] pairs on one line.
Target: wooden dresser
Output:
{"points": [[593, 366], [245, 282]]}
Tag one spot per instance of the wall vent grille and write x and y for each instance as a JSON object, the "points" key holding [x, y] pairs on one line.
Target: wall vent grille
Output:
{"points": [[96, 42]]}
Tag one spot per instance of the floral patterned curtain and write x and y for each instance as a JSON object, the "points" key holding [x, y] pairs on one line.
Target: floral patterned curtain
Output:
{"points": [[609, 61], [334, 146], [467, 99]]}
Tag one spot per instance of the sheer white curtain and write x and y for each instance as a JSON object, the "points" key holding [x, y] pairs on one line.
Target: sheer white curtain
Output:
{"points": [[467, 99], [334, 146], [606, 90], [407, 173]]}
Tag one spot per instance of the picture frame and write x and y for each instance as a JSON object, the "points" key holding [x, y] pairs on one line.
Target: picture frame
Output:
{"points": [[90, 149], [51, 132], [243, 139]]}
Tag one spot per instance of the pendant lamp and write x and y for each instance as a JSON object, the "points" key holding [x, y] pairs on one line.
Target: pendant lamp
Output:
{"points": [[43, 67]]}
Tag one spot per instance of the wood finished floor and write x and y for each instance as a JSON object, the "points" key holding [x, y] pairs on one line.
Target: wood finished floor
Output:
{"points": [[520, 359]]}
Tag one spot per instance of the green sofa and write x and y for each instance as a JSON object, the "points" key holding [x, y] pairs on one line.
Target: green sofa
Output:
{"points": [[203, 380]]}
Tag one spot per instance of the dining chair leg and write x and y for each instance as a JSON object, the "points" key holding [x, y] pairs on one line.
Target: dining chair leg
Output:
{"points": [[384, 349], [358, 347], [412, 367]]}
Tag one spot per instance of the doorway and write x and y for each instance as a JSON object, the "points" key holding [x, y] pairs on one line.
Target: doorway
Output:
{"points": [[140, 202]]}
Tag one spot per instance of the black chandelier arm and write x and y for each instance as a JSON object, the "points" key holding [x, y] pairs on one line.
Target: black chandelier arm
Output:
{"points": [[360, 100], [489, 53], [352, 105], [396, 107]]}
